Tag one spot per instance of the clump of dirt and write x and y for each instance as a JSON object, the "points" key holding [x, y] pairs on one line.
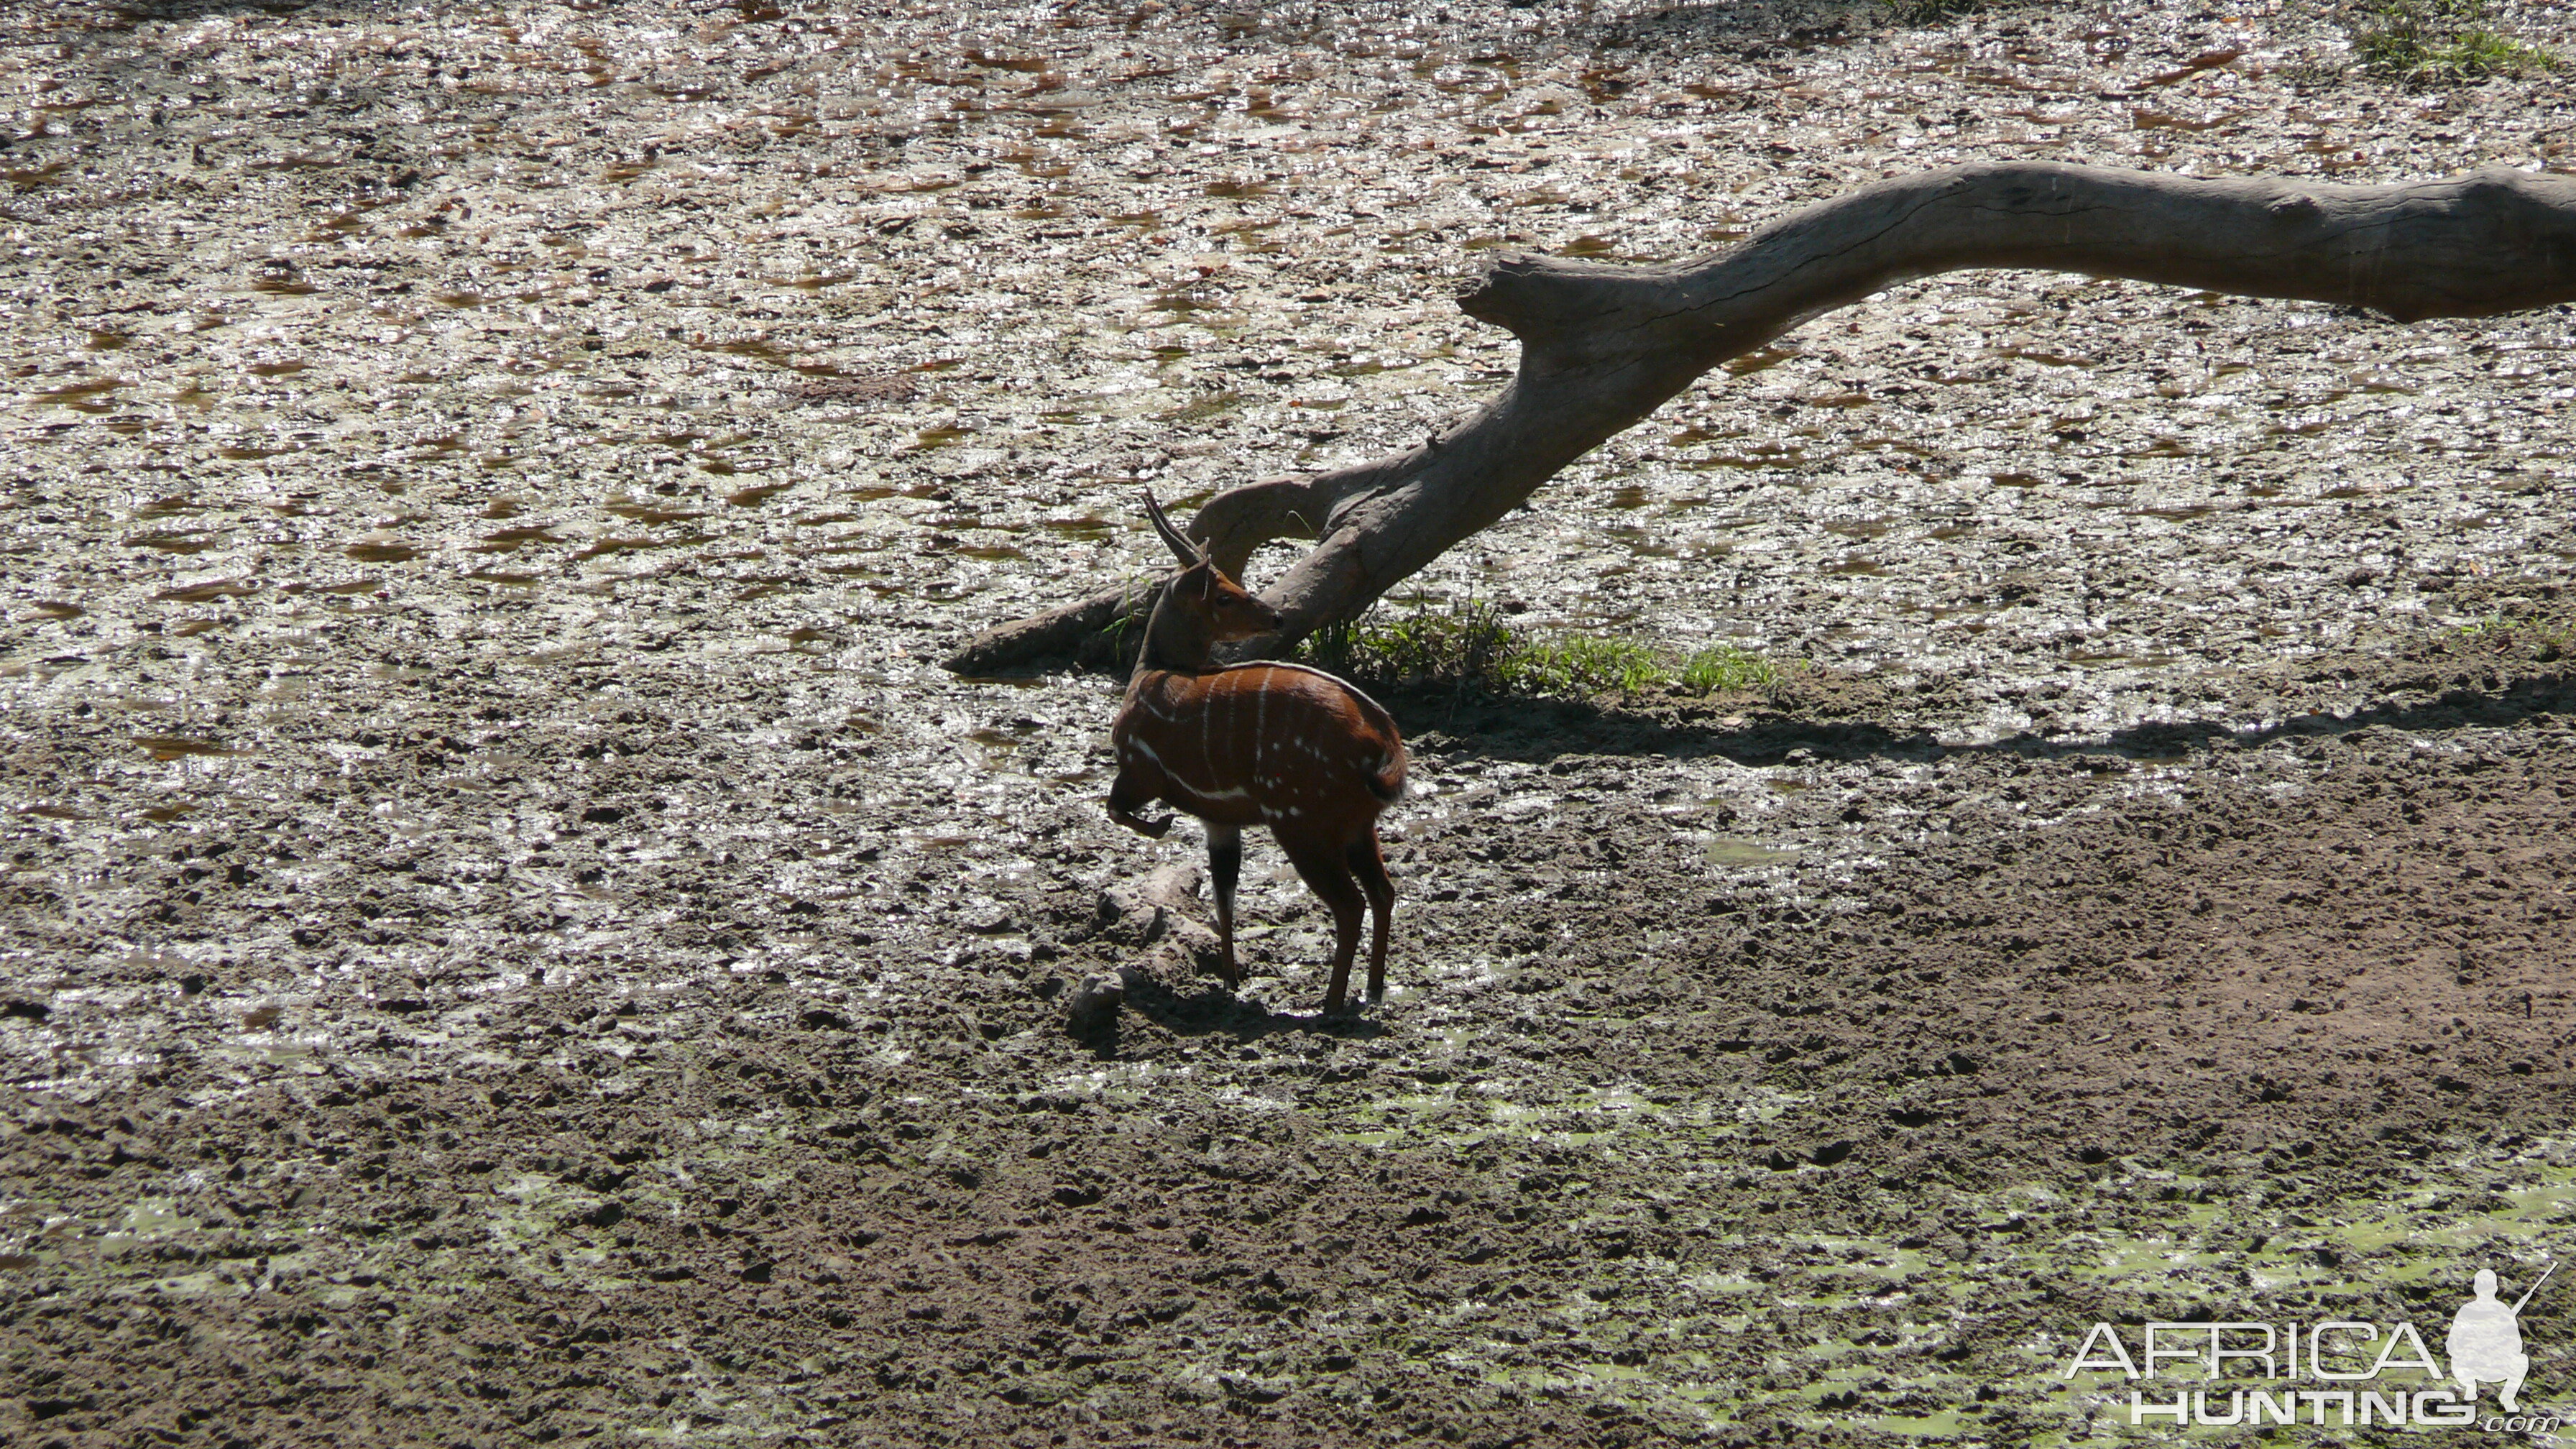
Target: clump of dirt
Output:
{"points": [[508, 940]]}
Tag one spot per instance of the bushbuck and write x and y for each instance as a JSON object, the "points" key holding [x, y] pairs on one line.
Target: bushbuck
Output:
{"points": [[1270, 744]]}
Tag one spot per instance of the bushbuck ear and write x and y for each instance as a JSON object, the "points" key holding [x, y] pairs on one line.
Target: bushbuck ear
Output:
{"points": [[1184, 550]]}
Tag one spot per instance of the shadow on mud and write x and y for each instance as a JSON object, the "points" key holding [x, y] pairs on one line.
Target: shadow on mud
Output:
{"points": [[1540, 731], [1206, 1009]]}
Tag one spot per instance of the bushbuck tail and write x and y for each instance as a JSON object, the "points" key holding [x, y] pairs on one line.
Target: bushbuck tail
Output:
{"points": [[1270, 744]]}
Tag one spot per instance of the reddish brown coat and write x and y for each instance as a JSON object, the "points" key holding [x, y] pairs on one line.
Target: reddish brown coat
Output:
{"points": [[1280, 745]]}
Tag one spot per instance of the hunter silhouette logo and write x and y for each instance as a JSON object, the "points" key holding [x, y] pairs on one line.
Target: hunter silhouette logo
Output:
{"points": [[2360, 1371], [2486, 1340]]}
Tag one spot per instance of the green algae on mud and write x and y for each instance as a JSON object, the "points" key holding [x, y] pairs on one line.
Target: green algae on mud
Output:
{"points": [[2174, 1246]]}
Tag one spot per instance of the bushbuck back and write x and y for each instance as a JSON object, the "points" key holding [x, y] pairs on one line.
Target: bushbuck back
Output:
{"points": [[1270, 744]]}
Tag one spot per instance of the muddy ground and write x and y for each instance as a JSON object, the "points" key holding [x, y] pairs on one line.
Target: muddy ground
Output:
{"points": [[510, 936]]}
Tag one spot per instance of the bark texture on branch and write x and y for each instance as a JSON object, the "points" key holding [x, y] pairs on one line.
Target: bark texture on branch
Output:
{"points": [[1603, 345]]}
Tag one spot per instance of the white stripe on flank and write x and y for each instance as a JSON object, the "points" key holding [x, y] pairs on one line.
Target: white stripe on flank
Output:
{"points": [[1261, 715], [1218, 769], [1137, 743]]}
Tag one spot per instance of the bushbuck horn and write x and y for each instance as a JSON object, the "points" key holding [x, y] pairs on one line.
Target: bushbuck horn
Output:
{"points": [[1188, 553]]}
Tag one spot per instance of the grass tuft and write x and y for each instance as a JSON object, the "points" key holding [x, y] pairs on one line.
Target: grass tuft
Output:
{"points": [[1577, 666], [1465, 644], [1726, 669], [1123, 637], [1470, 647], [2439, 42], [2551, 639]]}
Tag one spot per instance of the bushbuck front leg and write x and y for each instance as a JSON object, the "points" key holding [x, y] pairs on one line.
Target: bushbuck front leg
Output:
{"points": [[1127, 794], [1225, 867]]}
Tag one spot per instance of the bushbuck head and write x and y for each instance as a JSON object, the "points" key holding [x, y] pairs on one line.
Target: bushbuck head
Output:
{"points": [[1200, 608]]}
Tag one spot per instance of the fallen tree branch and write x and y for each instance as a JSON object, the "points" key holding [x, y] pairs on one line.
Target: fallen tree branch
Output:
{"points": [[1604, 345]]}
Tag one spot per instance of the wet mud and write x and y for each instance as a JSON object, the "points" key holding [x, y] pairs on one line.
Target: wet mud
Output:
{"points": [[508, 938]]}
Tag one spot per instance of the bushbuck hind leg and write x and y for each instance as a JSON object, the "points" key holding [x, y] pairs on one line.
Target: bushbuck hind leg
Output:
{"points": [[1368, 862], [1328, 874], [1225, 867]]}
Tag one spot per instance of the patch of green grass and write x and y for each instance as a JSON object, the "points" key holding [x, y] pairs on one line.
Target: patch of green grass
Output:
{"points": [[1471, 647], [1124, 635], [2552, 638], [1579, 665], [1466, 644], [2437, 42], [1726, 669]]}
